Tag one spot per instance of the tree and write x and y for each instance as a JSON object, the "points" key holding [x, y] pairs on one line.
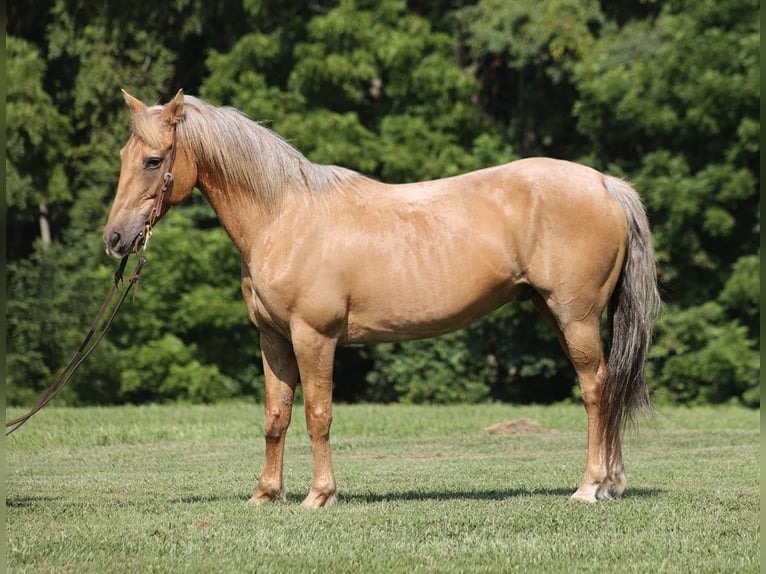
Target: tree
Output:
{"points": [[88, 53], [664, 93], [36, 135], [525, 54], [674, 104]]}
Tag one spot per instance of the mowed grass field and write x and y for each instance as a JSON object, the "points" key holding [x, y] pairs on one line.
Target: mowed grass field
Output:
{"points": [[421, 489]]}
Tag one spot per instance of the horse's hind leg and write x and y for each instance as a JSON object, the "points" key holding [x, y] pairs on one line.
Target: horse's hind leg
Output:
{"points": [[603, 474], [581, 339], [280, 375]]}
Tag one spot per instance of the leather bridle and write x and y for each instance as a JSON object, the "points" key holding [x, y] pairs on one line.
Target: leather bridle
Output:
{"points": [[143, 238], [89, 343]]}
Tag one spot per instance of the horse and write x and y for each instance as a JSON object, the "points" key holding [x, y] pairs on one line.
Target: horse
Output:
{"points": [[332, 257]]}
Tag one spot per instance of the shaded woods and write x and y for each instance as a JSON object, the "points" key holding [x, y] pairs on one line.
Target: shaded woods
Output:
{"points": [[665, 94]]}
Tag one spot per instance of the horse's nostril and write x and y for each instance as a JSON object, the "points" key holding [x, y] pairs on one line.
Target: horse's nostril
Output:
{"points": [[114, 239]]}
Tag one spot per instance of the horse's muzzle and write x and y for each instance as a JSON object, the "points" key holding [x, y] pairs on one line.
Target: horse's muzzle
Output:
{"points": [[117, 246]]}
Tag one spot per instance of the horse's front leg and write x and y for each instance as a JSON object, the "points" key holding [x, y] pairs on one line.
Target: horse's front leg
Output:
{"points": [[280, 374], [316, 353]]}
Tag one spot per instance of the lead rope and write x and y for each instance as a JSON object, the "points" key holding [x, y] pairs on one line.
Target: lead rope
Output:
{"points": [[86, 347], [84, 350]]}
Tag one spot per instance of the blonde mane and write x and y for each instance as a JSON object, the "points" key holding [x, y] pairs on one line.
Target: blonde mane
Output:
{"points": [[242, 153]]}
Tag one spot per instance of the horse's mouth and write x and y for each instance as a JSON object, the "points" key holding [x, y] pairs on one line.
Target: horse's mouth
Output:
{"points": [[119, 249]]}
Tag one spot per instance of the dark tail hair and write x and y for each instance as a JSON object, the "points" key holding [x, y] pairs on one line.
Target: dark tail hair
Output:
{"points": [[633, 308]]}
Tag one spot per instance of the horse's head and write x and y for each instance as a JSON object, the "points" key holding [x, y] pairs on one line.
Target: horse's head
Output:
{"points": [[152, 151]]}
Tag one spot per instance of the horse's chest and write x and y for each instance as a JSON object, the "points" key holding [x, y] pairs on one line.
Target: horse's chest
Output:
{"points": [[266, 310]]}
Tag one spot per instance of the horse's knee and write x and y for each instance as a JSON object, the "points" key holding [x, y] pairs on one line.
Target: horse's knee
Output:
{"points": [[277, 421], [318, 421]]}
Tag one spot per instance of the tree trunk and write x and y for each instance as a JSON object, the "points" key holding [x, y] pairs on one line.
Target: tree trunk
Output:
{"points": [[45, 225]]}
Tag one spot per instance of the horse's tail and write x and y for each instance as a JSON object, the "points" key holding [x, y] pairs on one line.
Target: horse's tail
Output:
{"points": [[633, 308]]}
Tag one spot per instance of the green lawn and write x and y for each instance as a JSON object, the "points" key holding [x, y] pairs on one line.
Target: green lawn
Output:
{"points": [[422, 489]]}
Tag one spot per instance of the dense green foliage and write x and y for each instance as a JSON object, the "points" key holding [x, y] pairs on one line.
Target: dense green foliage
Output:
{"points": [[664, 93], [422, 490]]}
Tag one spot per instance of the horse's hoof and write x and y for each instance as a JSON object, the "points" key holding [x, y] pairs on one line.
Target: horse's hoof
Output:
{"points": [[319, 500], [603, 493], [585, 494], [617, 483], [582, 498], [262, 498]]}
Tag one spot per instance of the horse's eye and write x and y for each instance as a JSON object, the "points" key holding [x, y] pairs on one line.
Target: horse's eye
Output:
{"points": [[152, 162]]}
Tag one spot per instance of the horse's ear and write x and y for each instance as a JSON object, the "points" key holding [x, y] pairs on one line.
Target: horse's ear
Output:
{"points": [[134, 104], [174, 109]]}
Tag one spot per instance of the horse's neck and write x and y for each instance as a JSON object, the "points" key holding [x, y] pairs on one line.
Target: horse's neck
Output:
{"points": [[247, 211], [237, 209]]}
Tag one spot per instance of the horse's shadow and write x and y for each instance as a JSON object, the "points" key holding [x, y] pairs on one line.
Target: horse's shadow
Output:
{"points": [[352, 497], [479, 495], [496, 495]]}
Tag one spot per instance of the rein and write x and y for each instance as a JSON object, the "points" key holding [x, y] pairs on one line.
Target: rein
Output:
{"points": [[84, 350], [89, 343]]}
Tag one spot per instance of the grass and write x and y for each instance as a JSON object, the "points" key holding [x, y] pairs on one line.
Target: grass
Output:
{"points": [[422, 489]]}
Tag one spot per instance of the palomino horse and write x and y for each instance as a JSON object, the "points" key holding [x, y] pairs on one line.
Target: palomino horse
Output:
{"points": [[331, 257]]}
